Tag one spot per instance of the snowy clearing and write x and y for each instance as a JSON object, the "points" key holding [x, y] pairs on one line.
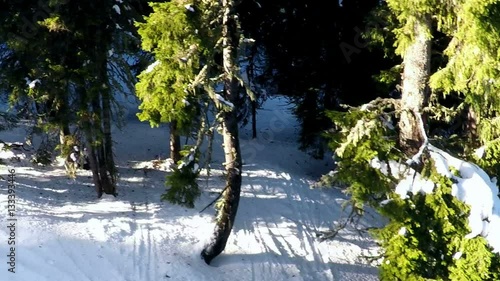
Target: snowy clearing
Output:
{"points": [[63, 233]]}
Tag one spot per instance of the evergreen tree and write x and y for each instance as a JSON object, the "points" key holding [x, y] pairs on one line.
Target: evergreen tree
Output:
{"points": [[163, 86], [74, 50], [94, 28], [166, 92], [425, 238], [472, 71], [196, 64], [227, 207], [36, 64], [108, 37], [416, 53], [334, 66]]}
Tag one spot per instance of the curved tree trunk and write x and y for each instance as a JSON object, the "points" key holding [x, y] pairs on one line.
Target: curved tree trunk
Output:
{"points": [[415, 93], [227, 207]]}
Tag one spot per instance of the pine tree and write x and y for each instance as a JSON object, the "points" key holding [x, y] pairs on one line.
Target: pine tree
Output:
{"points": [[163, 87], [37, 64], [472, 70], [334, 67], [425, 238], [95, 28], [196, 47], [78, 51], [227, 207], [416, 53]]}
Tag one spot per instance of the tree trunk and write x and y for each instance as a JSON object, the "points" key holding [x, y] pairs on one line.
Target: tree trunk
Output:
{"points": [[175, 142], [108, 140], [87, 124], [470, 126], [98, 151], [64, 132], [102, 108], [63, 112], [415, 93], [254, 103], [94, 167], [228, 206], [103, 150], [254, 119]]}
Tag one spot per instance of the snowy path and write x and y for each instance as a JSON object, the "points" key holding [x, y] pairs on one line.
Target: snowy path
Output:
{"points": [[65, 234]]}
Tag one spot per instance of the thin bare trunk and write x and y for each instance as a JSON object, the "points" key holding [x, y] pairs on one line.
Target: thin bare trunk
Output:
{"points": [[228, 206], [63, 116], [415, 93], [254, 104], [254, 119], [94, 168], [108, 140]]}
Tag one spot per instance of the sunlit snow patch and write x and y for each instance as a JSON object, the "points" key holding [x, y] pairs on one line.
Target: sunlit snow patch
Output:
{"points": [[473, 187]]}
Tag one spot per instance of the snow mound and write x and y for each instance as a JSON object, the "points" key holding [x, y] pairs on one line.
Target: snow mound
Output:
{"points": [[472, 186], [475, 188]]}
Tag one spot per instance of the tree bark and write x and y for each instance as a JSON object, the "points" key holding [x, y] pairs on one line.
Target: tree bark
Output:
{"points": [[104, 150], [63, 113], [415, 93], [254, 119], [64, 132], [108, 140], [97, 148], [94, 167], [254, 103], [175, 142], [228, 206], [102, 107], [470, 126]]}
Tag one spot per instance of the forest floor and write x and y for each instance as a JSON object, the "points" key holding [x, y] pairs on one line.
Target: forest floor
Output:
{"points": [[63, 233]]}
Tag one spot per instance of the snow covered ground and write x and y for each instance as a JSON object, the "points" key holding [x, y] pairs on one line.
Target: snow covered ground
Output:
{"points": [[63, 233]]}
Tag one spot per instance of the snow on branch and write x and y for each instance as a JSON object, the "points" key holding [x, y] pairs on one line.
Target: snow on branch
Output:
{"points": [[117, 9], [475, 188], [152, 66], [189, 7], [472, 186], [222, 100], [32, 84]]}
